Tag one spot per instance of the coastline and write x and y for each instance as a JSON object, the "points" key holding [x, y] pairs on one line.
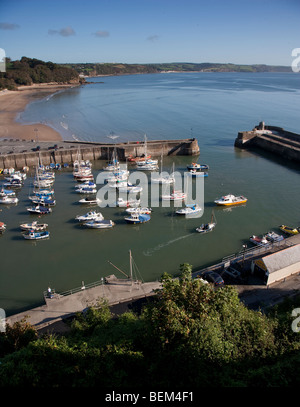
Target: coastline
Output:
{"points": [[12, 103]]}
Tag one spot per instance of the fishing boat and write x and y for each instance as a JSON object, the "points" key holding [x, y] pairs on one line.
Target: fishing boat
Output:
{"points": [[99, 224], [190, 209], [137, 217], [8, 200], [90, 201], [207, 227], [259, 241], [289, 230], [197, 167], [41, 210], [274, 237], [139, 210], [34, 226], [34, 235], [2, 227], [91, 215], [231, 200]]}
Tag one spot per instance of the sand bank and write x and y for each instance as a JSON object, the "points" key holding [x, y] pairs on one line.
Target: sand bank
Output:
{"points": [[14, 102]]}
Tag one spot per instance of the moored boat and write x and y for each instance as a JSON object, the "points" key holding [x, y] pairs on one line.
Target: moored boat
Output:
{"points": [[259, 241], [8, 200], [137, 217], [33, 235], [174, 196], [2, 227], [90, 201], [139, 210], [189, 210], [274, 237], [34, 226], [289, 230], [41, 210], [89, 216], [198, 167], [230, 199], [99, 224]]}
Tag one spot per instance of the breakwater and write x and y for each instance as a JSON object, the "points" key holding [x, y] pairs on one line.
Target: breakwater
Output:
{"points": [[20, 153], [271, 138]]}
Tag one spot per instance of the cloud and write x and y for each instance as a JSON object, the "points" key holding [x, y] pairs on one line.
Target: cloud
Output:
{"points": [[101, 34], [8, 26], [153, 38], [64, 32]]}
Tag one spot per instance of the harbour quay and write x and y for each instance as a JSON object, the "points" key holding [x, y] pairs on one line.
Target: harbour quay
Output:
{"points": [[273, 139], [16, 153]]}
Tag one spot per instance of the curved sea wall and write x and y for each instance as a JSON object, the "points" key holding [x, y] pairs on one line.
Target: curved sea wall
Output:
{"points": [[66, 152]]}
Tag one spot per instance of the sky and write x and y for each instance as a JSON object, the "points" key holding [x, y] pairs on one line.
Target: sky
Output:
{"points": [[151, 31]]}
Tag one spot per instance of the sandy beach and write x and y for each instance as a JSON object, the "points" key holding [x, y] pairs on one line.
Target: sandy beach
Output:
{"points": [[14, 102]]}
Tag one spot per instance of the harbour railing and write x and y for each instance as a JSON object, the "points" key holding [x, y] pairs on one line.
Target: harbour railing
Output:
{"points": [[52, 293], [244, 254]]}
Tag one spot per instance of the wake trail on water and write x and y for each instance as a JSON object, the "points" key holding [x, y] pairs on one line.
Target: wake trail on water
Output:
{"points": [[160, 246]]}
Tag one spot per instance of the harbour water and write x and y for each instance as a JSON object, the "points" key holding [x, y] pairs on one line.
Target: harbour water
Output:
{"points": [[211, 107]]}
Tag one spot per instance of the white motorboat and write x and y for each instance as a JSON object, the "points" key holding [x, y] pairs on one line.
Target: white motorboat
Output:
{"points": [[274, 237], [86, 190], [174, 196], [99, 224], [34, 226], [124, 203], [33, 235], [189, 210], [137, 217], [91, 215], [8, 200], [90, 201], [130, 188]]}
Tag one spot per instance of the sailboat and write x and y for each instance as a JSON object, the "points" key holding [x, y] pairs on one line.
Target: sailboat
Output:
{"points": [[168, 179], [130, 279], [207, 227], [143, 157]]}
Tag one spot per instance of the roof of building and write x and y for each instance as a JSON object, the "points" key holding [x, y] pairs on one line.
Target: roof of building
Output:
{"points": [[283, 258]]}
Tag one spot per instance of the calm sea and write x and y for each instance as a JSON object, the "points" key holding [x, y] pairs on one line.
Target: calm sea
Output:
{"points": [[211, 107]]}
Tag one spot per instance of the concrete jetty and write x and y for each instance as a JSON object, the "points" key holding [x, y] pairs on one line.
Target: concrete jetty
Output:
{"points": [[22, 153], [271, 138], [60, 306]]}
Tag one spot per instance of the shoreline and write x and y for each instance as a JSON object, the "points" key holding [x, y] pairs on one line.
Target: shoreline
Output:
{"points": [[12, 103]]}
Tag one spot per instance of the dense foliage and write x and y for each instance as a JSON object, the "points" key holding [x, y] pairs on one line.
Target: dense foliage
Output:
{"points": [[28, 71], [93, 69], [191, 334]]}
